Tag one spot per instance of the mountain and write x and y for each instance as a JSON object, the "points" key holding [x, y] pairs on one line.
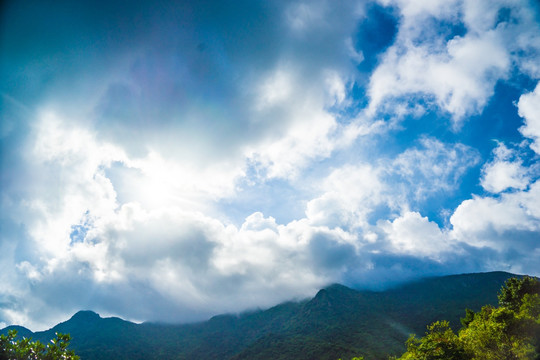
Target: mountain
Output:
{"points": [[337, 322]]}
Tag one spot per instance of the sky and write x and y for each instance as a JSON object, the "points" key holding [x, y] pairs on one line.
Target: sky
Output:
{"points": [[174, 160]]}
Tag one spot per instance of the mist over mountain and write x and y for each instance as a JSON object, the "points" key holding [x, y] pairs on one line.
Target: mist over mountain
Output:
{"points": [[337, 322]]}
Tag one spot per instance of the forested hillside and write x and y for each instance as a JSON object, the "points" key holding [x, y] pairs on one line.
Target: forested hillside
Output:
{"points": [[510, 331], [337, 322]]}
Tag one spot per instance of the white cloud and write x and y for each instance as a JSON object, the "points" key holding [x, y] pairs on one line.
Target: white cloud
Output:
{"points": [[68, 182], [500, 176], [153, 236], [411, 9], [481, 16], [300, 16], [276, 88], [503, 172], [529, 109], [349, 195], [497, 222], [285, 98], [194, 266], [415, 235], [455, 74], [307, 17], [459, 76], [80, 177], [188, 260], [161, 235], [356, 55], [335, 88], [352, 192]]}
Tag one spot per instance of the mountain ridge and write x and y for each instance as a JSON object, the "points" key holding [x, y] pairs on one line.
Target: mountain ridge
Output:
{"points": [[337, 322]]}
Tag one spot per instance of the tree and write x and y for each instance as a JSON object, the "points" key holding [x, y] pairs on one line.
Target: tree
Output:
{"points": [[469, 317], [26, 349], [508, 332], [497, 333], [512, 293], [439, 343]]}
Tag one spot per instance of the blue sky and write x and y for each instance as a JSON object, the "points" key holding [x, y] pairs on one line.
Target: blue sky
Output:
{"points": [[175, 160]]}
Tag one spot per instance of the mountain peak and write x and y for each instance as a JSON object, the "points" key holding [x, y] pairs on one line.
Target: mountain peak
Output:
{"points": [[21, 331], [85, 316], [333, 295], [338, 288]]}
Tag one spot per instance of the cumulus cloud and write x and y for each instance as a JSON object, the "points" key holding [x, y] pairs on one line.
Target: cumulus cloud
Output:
{"points": [[415, 235], [504, 172], [460, 77], [98, 239], [349, 194], [529, 109], [447, 66], [497, 222], [195, 266], [309, 136]]}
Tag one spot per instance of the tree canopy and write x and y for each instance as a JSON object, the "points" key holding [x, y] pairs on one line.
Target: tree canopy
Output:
{"points": [[510, 331], [12, 348]]}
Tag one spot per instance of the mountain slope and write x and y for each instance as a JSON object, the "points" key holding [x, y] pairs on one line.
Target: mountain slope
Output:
{"points": [[337, 322]]}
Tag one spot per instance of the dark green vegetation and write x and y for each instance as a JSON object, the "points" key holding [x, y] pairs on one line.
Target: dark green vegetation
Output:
{"points": [[12, 348], [337, 323], [508, 332]]}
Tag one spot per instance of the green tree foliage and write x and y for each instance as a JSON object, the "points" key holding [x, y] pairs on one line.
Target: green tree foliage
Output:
{"points": [[26, 349], [508, 332], [439, 343], [469, 317], [512, 294], [498, 333]]}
